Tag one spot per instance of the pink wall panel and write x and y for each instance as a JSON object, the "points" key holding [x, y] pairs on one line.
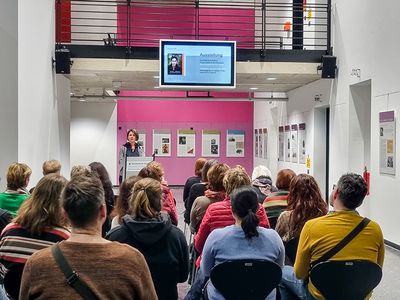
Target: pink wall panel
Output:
{"points": [[174, 115]]}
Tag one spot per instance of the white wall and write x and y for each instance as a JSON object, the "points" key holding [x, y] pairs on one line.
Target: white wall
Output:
{"points": [[94, 135], [42, 119], [8, 86]]}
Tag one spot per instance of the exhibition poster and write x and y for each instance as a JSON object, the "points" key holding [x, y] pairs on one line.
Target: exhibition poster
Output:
{"points": [[302, 143], [186, 143], [294, 143], [210, 145], [387, 142], [260, 143], [235, 143], [162, 142], [256, 142], [265, 142], [281, 144], [287, 143], [142, 139]]}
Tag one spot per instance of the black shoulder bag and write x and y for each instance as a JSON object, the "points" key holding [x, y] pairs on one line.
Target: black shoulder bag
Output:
{"points": [[343, 242], [72, 278]]}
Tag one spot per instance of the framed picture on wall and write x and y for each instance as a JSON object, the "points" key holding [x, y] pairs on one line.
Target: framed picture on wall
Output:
{"points": [[302, 143], [256, 142], [210, 143], [235, 143], [162, 142], [287, 143], [387, 142], [294, 139], [281, 144], [186, 143]]}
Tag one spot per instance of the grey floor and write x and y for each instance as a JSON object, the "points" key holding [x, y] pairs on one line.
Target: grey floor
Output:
{"points": [[386, 289]]}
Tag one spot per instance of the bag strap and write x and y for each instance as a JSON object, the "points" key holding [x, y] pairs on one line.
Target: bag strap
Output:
{"points": [[72, 278], [343, 242]]}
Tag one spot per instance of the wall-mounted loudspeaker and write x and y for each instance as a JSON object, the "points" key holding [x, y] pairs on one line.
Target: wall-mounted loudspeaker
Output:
{"points": [[328, 66], [63, 61]]}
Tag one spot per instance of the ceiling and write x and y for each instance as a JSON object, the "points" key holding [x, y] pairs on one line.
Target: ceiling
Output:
{"points": [[94, 76]]}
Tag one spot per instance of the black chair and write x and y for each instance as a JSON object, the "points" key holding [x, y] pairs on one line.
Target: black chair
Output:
{"points": [[346, 280], [291, 249], [246, 279], [12, 280]]}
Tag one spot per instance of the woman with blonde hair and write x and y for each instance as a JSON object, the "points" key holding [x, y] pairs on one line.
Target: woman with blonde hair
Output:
{"points": [[38, 224], [17, 181], [152, 233]]}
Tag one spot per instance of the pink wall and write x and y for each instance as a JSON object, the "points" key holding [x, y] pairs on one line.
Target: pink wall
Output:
{"points": [[174, 115], [149, 24]]}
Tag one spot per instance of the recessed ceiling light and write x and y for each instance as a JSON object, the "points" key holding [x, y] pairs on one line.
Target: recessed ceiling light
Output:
{"points": [[82, 100], [253, 88], [271, 78], [156, 76], [156, 87]]}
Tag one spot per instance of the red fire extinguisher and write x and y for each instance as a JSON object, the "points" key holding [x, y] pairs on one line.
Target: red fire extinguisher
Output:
{"points": [[367, 176]]}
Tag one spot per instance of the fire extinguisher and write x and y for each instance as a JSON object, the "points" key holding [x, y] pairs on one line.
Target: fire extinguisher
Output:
{"points": [[367, 176]]}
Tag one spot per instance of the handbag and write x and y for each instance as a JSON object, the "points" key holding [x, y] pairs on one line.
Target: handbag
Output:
{"points": [[71, 276]]}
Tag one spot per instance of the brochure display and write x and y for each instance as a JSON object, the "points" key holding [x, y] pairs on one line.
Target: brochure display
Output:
{"points": [[235, 143], [287, 143], [162, 142], [302, 143], [265, 142], [387, 142], [294, 143], [210, 145], [256, 142], [134, 164], [186, 143], [281, 144]]}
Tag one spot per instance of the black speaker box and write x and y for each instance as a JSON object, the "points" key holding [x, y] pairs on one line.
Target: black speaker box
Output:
{"points": [[328, 66], [63, 61]]}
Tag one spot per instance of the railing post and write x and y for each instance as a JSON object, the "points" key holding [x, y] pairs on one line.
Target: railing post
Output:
{"points": [[328, 38], [197, 19], [263, 28]]}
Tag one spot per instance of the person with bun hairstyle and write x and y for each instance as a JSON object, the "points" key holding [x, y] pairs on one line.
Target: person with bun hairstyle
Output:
{"points": [[245, 239], [129, 149], [152, 233]]}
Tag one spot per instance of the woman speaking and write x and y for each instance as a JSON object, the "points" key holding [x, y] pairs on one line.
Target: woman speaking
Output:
{"points": [[129, 149]]}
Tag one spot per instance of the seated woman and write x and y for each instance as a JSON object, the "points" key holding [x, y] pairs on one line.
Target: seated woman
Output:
{"points": [[156, 172], [17, 181], [198, 166], [243, 240], [122, 204], [39, 223], [151, 232], [276, 202], [215, 193], [262, 182]]}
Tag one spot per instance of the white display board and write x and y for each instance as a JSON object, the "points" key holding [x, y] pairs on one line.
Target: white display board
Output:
{"points": [[210, 143], [265, 142], [294, 140], [387, 142], [260, 143], [186, 143], [162, 142], [256, 142], [287, 143], [142, 139], [302, 143], [281, 144], [235, 143]]}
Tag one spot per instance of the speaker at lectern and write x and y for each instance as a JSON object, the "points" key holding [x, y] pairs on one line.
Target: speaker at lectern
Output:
{"points": [[133, 165]]}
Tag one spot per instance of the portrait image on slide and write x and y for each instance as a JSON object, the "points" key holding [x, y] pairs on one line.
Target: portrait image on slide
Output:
{"points": [[175, 63]]}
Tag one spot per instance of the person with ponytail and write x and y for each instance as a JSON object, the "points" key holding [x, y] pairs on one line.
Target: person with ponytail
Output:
{"points": [[243, 240], [150, 231]]}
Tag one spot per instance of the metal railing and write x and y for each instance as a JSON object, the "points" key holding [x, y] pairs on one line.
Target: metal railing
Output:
{"points": [[257, 24]]}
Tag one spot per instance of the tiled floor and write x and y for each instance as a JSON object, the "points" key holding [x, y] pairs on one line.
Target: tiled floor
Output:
{"points": [[386, 290]]}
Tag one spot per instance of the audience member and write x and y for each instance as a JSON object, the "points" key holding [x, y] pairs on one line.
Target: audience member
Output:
{"points": [[168, 204], [38, 224], [242, 240], [194, 179], [80, 170], [152, 233], [276, 202], [17, 181], [321, 234], [198, 189], [261, 180], [122, 204], [219, 214], [98, 169], [304, 203], [110, 270], [214, 193], [51, 166]]}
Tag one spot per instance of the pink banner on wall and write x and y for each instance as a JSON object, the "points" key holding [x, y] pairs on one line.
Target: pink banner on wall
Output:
{"points": [[173, 115]]}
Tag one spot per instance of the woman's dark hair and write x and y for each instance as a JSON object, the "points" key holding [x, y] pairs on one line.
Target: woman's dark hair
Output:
{"points": [[198, 166], [244, 203], [99, 170], [149, 172], [305, 201], [125, 191], [283, 179], [206, 167]]}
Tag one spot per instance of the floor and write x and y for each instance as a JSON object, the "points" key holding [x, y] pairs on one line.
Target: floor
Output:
{"points": [[386, 289]]}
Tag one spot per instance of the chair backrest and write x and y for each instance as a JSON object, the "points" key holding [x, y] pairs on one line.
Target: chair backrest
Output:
{"points": [[345, 280], [12, 280], [246, 279], [291, 249]]}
